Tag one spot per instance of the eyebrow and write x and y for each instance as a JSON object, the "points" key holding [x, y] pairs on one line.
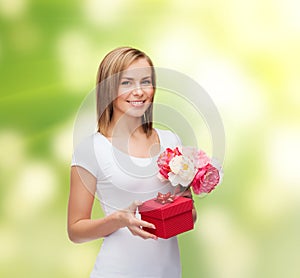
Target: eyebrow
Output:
{"points": [[130, 78]]}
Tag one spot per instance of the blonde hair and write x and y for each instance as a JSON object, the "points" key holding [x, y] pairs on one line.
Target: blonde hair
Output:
{"points": [[107, 84]]}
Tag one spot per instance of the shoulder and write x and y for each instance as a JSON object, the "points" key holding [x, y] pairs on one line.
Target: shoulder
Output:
{"points": [[90, 142], [84, 155], [84, 145], [168, 138], [93, 153]]}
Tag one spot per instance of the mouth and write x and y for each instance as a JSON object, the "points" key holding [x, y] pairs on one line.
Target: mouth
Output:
{"points": [[137, 103]]}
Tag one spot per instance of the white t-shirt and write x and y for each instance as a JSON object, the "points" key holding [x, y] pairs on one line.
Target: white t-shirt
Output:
{"points": [[121, 179]]}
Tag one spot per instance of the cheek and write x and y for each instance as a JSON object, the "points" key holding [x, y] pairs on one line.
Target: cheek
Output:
{"points": [[118, 101], [122, 95], [123, 91], [150, 92]]}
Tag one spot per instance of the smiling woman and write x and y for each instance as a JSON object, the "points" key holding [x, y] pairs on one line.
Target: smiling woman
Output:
{"points": [[132, 72], [125, 92], [136, 92]]}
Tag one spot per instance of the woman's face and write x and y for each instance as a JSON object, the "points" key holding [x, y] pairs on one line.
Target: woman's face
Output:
{"points": [[136, 91]]}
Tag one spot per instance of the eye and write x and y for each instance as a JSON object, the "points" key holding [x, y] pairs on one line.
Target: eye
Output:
{"points": [[125, 83], [146, 82]]}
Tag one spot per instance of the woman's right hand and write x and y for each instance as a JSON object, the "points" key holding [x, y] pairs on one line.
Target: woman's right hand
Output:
{"points": [[134, 224]]}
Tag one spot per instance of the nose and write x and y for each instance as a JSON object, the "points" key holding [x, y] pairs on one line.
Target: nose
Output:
{"points": [[137, 91]]}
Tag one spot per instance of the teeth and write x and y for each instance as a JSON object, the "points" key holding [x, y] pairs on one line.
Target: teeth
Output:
{"points": [[136, 103]]}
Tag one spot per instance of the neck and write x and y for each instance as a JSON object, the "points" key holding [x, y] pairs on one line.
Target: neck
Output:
{"points": [[125, 126]]}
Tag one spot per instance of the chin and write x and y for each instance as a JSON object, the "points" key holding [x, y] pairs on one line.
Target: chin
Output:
{"points": [[135, 115]]}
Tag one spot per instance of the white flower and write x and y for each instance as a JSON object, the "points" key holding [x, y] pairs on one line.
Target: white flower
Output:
{"points": [[183, 171], [175, 164]]}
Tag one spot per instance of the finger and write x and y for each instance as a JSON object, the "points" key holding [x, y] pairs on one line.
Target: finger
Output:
{"points": [[146, 235], [146, 224], [186, 193], [142, 233], [140, 223], [134, 205]]}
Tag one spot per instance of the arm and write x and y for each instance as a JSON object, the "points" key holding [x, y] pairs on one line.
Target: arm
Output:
{"points": [[81, 227]]}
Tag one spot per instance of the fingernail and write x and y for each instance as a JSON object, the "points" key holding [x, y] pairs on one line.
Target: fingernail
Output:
{"points": [[153, 227]]}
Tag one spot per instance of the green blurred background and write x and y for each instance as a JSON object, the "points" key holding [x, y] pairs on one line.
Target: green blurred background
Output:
{"points": [[244, 53]]}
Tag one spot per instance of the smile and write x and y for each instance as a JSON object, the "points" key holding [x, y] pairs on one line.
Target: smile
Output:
{"points": [[137, 103]]}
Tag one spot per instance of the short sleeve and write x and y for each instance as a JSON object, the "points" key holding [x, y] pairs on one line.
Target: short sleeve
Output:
{"points": [[168, 139], [179, 143], [85, 157]]}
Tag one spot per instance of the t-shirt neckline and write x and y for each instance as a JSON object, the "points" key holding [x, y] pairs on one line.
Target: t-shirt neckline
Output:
{"points": [[135, 157]]}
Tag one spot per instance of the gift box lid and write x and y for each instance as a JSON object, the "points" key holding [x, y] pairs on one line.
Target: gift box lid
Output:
{"points": [[154, 209]]}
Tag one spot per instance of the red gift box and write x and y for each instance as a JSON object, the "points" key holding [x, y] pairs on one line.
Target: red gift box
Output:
{"points": [[170, 219]]}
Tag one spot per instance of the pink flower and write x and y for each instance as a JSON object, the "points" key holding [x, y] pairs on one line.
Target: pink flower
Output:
{"points": [[201, 159], [198, 157], [205, 179], [164, 159], [189, 167]]}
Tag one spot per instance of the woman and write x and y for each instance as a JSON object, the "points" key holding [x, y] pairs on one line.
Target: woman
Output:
{"points": [[118, 163]]}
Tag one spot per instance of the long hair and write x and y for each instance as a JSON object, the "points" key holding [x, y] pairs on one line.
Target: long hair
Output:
{"points": [[107, 84]]}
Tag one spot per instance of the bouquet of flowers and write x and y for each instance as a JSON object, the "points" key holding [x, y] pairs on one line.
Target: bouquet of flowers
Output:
{"points": [[189, 167]]}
